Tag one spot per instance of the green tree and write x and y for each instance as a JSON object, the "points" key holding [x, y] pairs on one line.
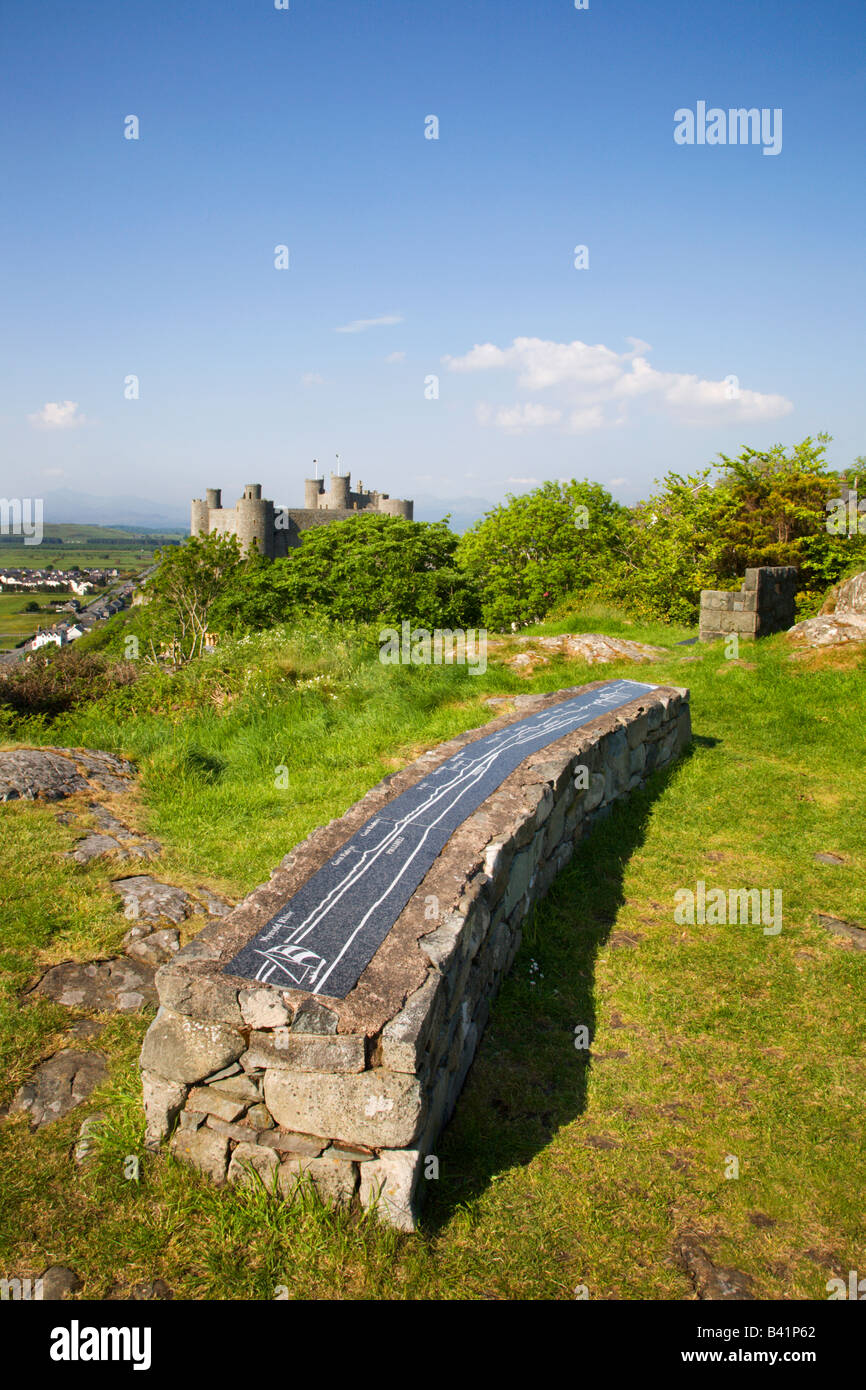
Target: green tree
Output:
{"points": [[704, 530], [531, 551], [778, 513], [674, 548], [365, 569], [183, 593]]}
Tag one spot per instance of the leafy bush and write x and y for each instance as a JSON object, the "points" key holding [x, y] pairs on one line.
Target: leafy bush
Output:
{"points": [[528, 554], [51, 685], [704, 530], [368, 569]]}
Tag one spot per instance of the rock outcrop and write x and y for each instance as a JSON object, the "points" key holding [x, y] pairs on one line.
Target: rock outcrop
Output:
{"points": [[844, 625], [851, 597], [50, 774], [58, 1085], [592, 647]]}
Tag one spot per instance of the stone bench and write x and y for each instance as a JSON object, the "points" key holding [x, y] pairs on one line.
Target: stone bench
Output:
{"points": [[351, 1093]]}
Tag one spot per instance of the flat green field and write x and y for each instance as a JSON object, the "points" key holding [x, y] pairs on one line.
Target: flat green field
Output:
{"points": [[16, 624], [65, 544], [722, 1094]]}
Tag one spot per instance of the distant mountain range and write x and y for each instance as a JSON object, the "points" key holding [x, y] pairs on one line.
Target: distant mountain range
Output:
{"points": [[464, 511], [84, 508]]}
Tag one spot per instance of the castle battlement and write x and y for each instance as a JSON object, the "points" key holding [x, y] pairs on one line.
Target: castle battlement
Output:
{"points": [[256, 521]]}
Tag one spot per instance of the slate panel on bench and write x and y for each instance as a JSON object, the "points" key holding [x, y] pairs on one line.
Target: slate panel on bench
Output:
{"points": [[330, 929]]}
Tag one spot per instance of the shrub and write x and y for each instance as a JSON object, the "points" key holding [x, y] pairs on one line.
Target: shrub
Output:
{"points": [[51, 685]]}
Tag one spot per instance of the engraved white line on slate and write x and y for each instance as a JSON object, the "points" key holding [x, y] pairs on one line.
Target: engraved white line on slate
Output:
{"points": [[463, 773]]}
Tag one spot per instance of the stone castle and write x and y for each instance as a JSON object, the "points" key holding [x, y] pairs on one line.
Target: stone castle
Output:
{"points": [[275, 530]]}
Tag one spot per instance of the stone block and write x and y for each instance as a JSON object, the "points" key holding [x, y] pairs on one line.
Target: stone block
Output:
{"points": [[405, 1038], [313, 1017], [203, 1149], [333, 1177], [522, 873], [259, 1117], [230, 1131], [305, 1052], [594, 793], [497, 864], [239, 1088], [442, 946], [210, 1101], [263, 1008], [289, 1142], [556, 825], [251, 1165], [188, 1049], [556, 771], [544, 806], [163, 1101], [378, 1108], [208, 997], [389, 1185]]}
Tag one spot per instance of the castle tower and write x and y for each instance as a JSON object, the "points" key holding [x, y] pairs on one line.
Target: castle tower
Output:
{"points": [[395, 506], [313, 489], [255, 521], [338, 497], [214, 498], [199, 519]]}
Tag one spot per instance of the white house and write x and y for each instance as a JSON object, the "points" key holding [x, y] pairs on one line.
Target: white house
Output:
{"points": [[43, 639]]}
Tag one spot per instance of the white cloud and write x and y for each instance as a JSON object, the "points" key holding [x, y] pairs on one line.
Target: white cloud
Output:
{"points": [[524, 482], [638, 348], [617, 482], [57, 415], [312, 379], [54, 472], [597, 387], [396, 357], [540, 364], [361, 325], [517, 418], [582, 421]]}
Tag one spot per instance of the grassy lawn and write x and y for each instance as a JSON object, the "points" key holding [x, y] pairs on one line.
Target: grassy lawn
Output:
{"points": [[560, 1168], [16, 624]]}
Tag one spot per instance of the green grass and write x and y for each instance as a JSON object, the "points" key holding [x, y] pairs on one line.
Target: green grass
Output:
{"points": [[558, 1169], [576, 615], [16, 624], [66, 544]]}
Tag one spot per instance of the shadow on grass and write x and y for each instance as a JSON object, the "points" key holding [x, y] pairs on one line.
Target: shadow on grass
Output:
{"points": [[528, 1078]]}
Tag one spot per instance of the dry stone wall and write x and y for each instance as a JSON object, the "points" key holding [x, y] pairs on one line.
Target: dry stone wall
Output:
{"points": [[766, 603], [252, 1082]]}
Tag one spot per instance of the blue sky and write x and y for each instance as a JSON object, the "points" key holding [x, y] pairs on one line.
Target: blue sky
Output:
{"points": [[262, 127]]}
